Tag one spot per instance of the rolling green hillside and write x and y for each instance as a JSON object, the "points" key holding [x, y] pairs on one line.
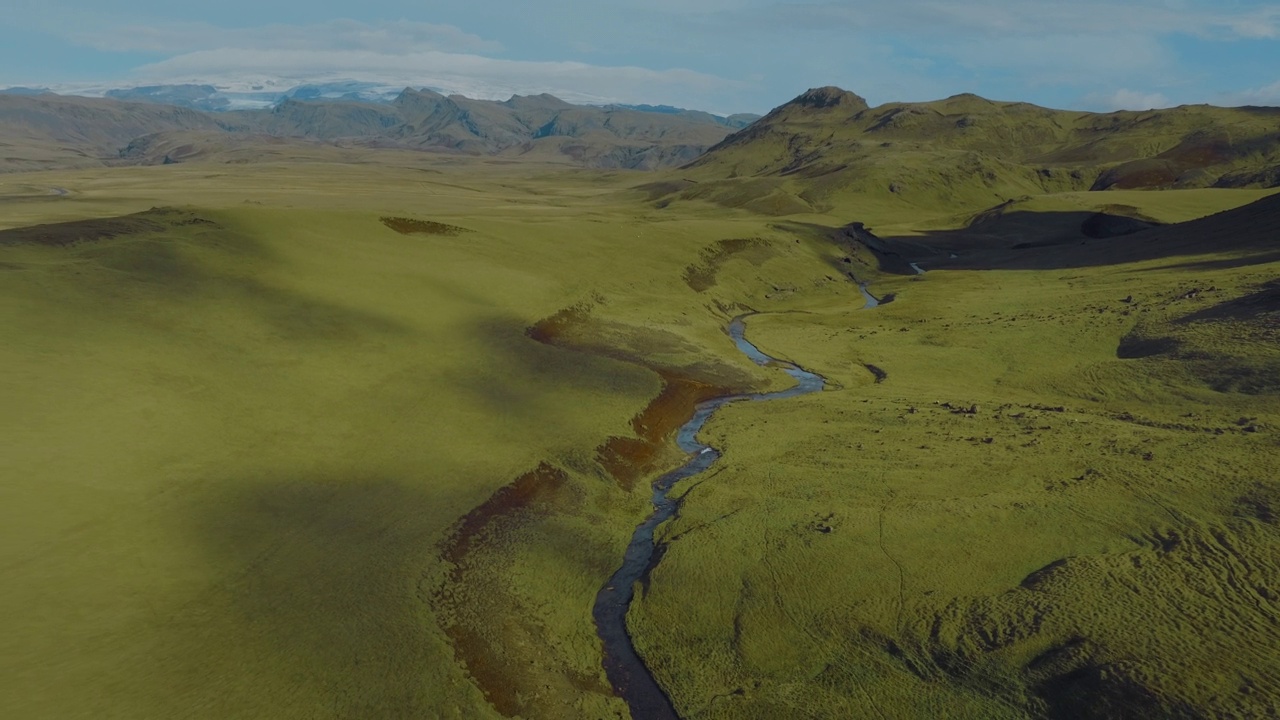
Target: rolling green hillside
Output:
{"points": [[298, 427], [828, 149], [1041, 487]]}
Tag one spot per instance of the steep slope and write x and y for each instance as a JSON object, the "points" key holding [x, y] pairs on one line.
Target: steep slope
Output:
{"points": [[828, 147], [321, 121], [434, 120]]}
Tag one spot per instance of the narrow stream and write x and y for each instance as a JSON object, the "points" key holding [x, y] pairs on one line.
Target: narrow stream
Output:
{"points": [[630, 678], [872, 301]]}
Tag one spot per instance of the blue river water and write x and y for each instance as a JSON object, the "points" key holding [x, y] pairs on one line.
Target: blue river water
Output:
{"points": [[630, 678]]}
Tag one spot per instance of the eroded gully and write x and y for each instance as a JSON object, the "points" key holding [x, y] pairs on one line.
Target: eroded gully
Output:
{"points": [[628, 675]]}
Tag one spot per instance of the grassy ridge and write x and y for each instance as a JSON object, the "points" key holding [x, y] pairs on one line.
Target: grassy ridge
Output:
{"points": [[828, 151]]}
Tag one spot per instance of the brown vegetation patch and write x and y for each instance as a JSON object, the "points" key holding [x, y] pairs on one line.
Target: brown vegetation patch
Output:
{"points": [[410, 226], [575, 329], [628, 459], [95, 230], [492, 636], [1195, 153], [1201, 150], [526, 491], [1139, 174], [553, 329]]}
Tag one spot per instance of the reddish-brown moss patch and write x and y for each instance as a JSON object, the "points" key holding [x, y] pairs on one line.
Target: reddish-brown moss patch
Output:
{"points": [[410, 226]]}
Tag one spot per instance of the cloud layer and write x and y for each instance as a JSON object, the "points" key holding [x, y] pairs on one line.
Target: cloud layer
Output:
{"points": [[1038, 17], [471, 75], [343, 35], [722, 55], [1267, 96]]}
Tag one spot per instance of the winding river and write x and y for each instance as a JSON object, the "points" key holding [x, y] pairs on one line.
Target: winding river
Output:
{"points": [[630, 679]]}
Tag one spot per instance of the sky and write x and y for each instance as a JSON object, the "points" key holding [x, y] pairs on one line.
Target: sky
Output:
{"points": [[724, 56]]}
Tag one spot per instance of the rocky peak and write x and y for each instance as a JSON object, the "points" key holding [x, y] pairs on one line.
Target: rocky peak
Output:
{"points": [[830, 97]]}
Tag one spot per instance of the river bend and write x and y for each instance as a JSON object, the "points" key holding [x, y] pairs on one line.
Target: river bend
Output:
{"points": [[630, 679]]}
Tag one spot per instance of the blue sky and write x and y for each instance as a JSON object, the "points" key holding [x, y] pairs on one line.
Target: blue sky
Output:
{"points": [[719, 55]]}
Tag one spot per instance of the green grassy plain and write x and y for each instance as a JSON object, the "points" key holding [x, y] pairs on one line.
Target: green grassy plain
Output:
{"points": [[243, 433]]}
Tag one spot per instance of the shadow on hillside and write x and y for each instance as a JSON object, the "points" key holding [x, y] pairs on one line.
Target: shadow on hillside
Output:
{"points": [[1053, 240], [520, 369], [994, 240], [863, 251], [316, 586], [174, 255], [1258, 258]]}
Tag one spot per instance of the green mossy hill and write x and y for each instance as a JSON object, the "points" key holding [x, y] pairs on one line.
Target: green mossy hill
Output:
{"points": [[828, 147]]}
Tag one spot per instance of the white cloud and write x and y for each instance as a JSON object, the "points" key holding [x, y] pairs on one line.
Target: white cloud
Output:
{"points": [[1033, 17], [1046, 51], [1126, 100], [402, 53], [1268, 95], [402, 36], [1056, 59], [471, 75], [1261, 25]]}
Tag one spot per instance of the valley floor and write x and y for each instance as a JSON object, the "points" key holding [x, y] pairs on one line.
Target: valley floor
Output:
{"points": [[270, 452]]}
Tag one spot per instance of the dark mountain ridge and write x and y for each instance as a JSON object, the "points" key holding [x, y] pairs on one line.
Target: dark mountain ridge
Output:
{"points": [[135, 127]]}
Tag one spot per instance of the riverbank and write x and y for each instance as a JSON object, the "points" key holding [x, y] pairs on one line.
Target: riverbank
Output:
{"points": [[628, 675]]}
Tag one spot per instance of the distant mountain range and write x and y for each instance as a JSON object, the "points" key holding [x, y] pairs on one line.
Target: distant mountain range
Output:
{"points": [[221, 99], [828, 148], [172, 123]]}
